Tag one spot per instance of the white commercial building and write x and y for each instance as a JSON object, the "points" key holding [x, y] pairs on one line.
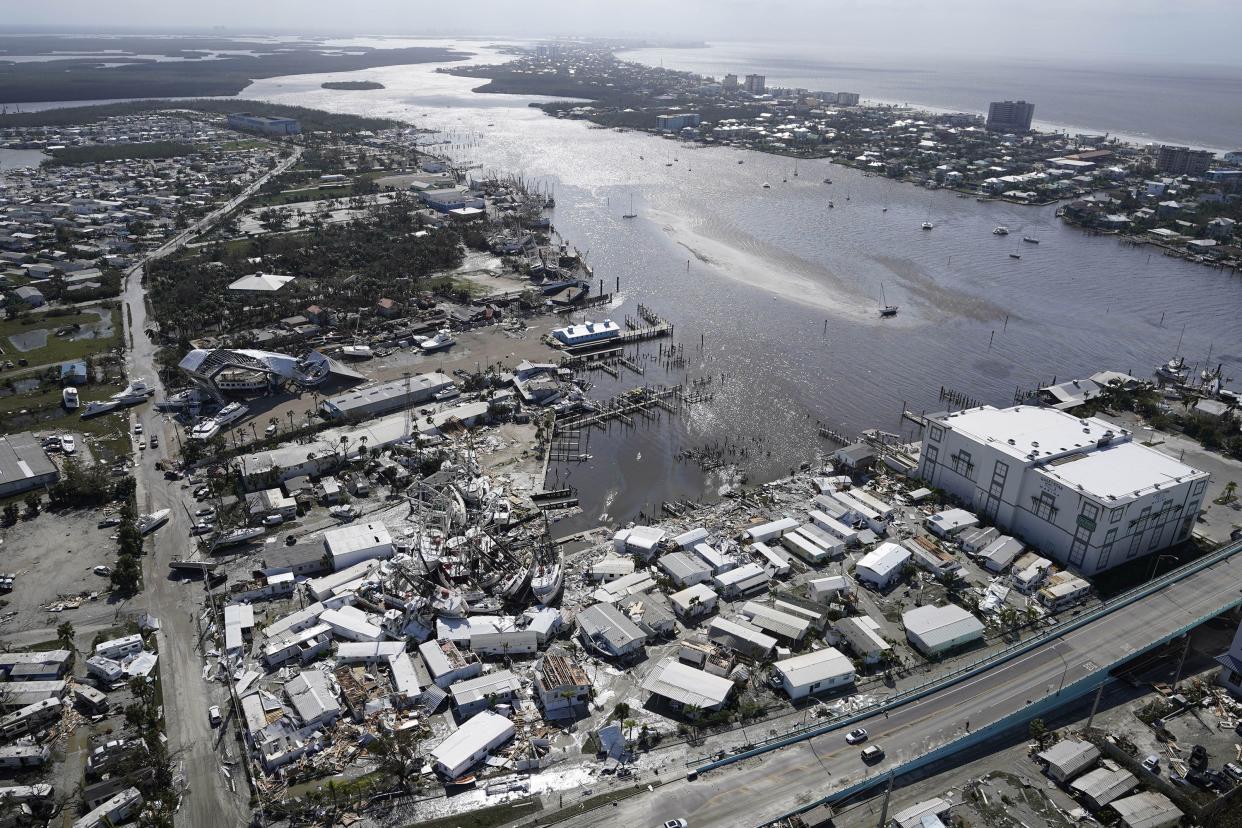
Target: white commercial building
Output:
{"points": [[694, 602], [745, 579], [881, 567], [814, 672], [1080, 490], [937, 630], [350, 545], [471, 743]]}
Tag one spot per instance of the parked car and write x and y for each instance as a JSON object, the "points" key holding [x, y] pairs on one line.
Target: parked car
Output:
{"points": [[103, 570], [856, 737], [1232, 771], [201, 492], [111, 520], [155, 441], [201, 529], [676, 823], [1152, 763], [138, 428], [213, 715], [206, 512], [273, 520], [1198, 758], [872, 753], [270, 431]]}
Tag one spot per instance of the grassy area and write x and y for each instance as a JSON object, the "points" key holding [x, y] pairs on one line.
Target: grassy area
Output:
{"points": [[298, 196], [245, 144], [596, 801], [58, 349], [487, 817], [108, 435]]}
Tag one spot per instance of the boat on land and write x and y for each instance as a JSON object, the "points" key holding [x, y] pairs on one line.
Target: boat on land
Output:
{"points": [[547, 576], [357, 352], [137, 391], [149, 523], [236, 536], [439, 342], [70, 397], [98, 407]]}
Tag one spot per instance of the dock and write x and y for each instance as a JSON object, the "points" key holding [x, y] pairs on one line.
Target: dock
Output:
{"points": [[636, 401]]}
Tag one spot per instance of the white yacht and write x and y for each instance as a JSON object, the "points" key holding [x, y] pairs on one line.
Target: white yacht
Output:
{"points": [[927, 225], [205, 429], [136, 391], [443, 339], [357, 352], [237, 536], [70, 397], [149, 523], [231, 413], [1000, 230], [547, 576]]}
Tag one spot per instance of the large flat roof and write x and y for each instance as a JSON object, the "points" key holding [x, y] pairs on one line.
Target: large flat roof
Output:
{"points": [[815, 666], [1121, 471], [1022, 429]]}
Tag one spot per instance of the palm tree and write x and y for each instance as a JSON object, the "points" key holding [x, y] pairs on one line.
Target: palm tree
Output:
{"points": [[1230, 489]]}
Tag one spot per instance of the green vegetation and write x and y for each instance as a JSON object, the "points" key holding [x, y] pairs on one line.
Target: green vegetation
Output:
{"points": [[312, 120], [350, 265], [126, 573], [487, 817], [72, 78], [58, 348], [68, 156], [352, 85]]}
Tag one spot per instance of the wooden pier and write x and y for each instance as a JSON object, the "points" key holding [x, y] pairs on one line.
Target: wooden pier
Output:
{"points": [[637, 401]]}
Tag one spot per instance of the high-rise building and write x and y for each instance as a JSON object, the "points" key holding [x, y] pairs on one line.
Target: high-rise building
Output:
{"points": [[756, 84], [1183, 160], [729, 84], [847, 99], [1010, 116]]}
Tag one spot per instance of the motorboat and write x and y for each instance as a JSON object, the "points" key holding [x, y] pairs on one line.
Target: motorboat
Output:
{"points": [[767, 186], [1030, 240], [357, 351], [1000, 230], [237, 536], [97, 407], [205, 429], [67, 444], [443, 339], [927, 225], [231, 413], [70, 397], [149, 523], [136, 391], [547, 576], [1015, 255]]}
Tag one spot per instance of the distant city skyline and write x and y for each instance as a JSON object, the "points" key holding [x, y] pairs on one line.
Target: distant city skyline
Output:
{"points": [[1192, 32]]}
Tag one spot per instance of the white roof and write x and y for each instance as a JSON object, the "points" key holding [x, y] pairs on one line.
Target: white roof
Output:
{"points": [[481, 731], [936, 626], [1147, 810], [480, 687], [1054, 431], [1121, 471], [775, 527], [738, 629], [683, 683], [744, 573], [912, 817], [354, 538], [884, 558], [809, 668], [951, 519], [644, 537], [703, 592], [261, 282], [690, 538], [773, 620]]}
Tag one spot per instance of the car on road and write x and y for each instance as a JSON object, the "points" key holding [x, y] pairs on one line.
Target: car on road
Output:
{"points": [[1152, 763], [103, 570], [138, 428], [155, 441], [213, 715], [173, 474], [872, 753], [142, 445], [676, 823], [856, 737]]}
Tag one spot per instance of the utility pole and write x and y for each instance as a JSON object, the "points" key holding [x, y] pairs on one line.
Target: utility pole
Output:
{"points": [[1095, 705], [1181, 662], [888, 794]]}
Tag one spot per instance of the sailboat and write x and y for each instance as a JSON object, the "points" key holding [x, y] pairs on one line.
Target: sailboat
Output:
{"points": [[631, 213], [886, 309]]}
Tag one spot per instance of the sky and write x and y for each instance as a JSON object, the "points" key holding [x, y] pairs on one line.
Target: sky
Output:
{"points": [[1148, 31]]}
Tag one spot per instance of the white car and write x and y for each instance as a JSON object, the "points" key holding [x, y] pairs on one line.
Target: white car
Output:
{"points": [[201, 529], [270, 430], [676, 823], [856, 737], [138, 428], [207, 512], [67, 444], [273, 520], [103, 570], [213, 715]]}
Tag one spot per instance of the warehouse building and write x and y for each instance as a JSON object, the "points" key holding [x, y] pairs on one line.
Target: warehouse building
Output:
{"points": [[267, 124], [386, 397], [1082, 491], [744, 580], [935, 631], [606, 629], [350, 545], [24, 465], [814, 672], [1068, 758], [1104, 784], [1147, 810], [881, 567]]}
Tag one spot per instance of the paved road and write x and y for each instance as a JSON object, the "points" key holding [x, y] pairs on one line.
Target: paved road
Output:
{"points": [[763, 788], [209, 801]]}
